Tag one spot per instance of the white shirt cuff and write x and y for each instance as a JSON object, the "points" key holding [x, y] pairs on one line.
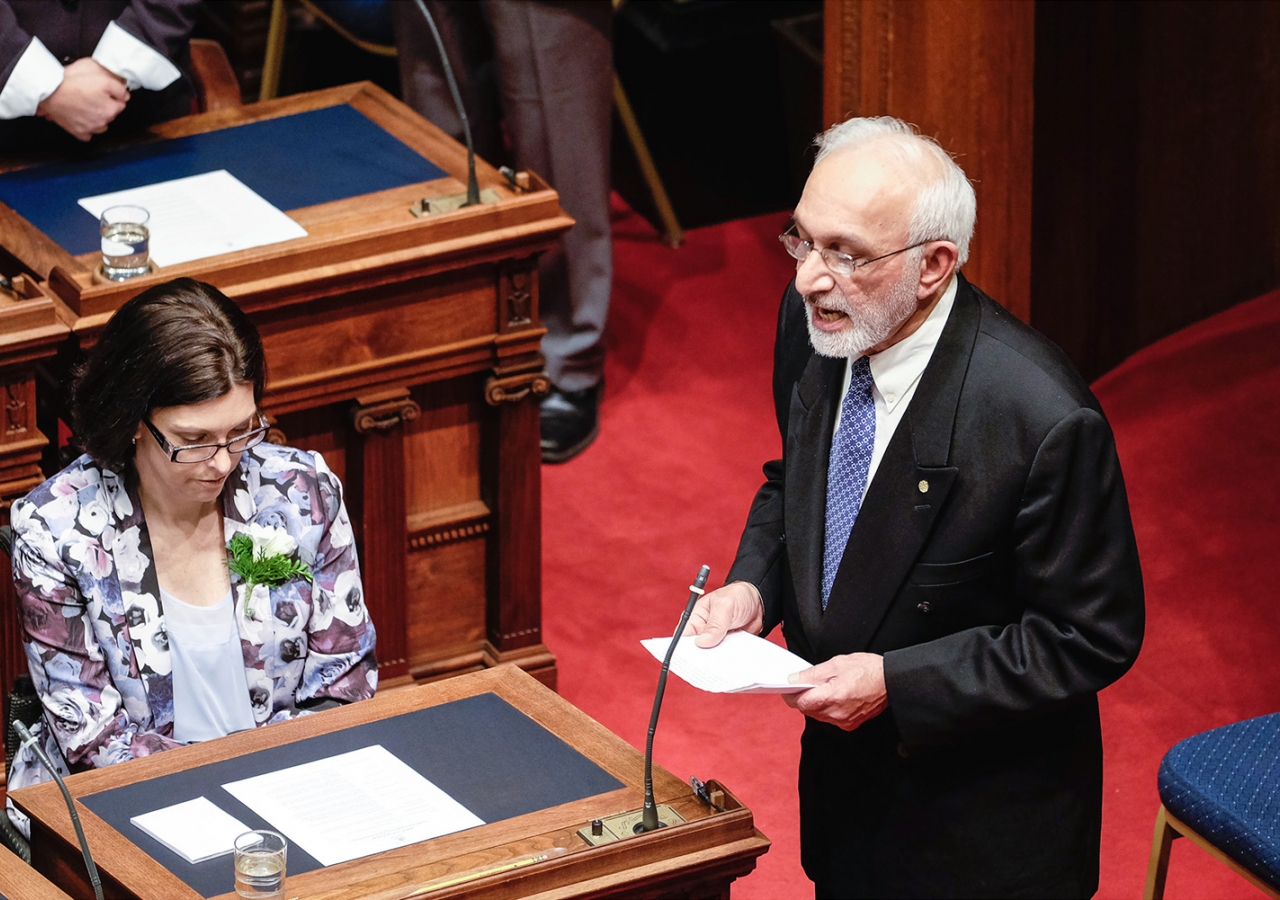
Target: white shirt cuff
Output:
{"points": [[37, 75], [139, 65]]}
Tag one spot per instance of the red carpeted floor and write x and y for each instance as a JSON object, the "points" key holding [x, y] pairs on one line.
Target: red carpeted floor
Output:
{"points": [[686, 423]]}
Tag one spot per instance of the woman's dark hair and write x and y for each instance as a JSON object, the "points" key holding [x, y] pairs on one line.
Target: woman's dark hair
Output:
{"points": [[177, 343]]}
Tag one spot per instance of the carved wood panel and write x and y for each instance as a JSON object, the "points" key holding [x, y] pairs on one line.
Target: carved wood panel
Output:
{"points": [[962, 71]]}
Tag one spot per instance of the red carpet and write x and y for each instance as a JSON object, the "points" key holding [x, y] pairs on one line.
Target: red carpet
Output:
{"points": [[1197, 420], [687, 421]]}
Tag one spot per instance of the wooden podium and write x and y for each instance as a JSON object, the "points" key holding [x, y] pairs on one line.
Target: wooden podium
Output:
{"points": [[404, 348], [697, 858], [18, 881]]}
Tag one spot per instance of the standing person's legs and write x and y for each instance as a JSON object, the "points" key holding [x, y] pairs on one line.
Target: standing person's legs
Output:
{"points": [[422, 81], [554, 72]]}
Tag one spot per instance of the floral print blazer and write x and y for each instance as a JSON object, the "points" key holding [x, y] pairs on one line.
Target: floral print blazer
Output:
{"points": [[94, 624]]}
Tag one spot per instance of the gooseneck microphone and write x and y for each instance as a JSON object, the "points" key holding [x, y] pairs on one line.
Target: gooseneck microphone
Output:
{"points": [[28, 739], [473, 186], [649, 818]]}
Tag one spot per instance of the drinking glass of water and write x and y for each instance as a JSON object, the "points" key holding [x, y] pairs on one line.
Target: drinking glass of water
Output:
{"points": [[260, 864], [125, 242]]}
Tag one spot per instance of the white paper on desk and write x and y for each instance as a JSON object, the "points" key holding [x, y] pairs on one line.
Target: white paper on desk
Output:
{"points": [[352, 805], [740, 664], [195, 829], [202, 215]]}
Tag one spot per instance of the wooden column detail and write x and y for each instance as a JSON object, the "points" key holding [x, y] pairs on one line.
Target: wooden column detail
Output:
{"points": [[21, 441], [518, 295], [379, 475], [962, 72], [513, 610]]}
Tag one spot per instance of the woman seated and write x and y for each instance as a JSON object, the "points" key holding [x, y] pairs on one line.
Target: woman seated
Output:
{"points": [[139, 632]]}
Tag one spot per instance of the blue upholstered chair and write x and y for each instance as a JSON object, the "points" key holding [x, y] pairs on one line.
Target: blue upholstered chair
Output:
{"points": [[1221, 789]]}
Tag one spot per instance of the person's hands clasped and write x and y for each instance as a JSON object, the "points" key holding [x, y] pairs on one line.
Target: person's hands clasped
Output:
{"points": [[735, 607], [849, 690], [88, 100]]}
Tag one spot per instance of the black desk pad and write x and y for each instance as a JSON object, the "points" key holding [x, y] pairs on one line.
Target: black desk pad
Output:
{"points": [[481, 751], [292, 161]]}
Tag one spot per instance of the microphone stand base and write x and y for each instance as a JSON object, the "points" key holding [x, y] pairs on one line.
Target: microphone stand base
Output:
{"points": [[432, 206], [623, 825]]}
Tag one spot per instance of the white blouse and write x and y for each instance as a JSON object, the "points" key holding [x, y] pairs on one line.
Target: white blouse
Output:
{"points": [[210, 693]]}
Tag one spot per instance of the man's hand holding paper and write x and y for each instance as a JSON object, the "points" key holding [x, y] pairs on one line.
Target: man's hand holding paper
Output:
{"points": [[849, 690], [740, 664], [735, 607]]}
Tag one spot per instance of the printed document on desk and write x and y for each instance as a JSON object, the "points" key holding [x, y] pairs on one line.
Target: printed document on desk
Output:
{"points": [[352, 805], [740, 664], [202, 215]]}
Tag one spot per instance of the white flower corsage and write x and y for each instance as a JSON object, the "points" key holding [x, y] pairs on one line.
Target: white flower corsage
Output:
{"points": [[263, 555]]}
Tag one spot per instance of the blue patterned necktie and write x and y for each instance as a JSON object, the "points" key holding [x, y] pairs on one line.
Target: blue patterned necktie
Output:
{"points": [[847, 469]]}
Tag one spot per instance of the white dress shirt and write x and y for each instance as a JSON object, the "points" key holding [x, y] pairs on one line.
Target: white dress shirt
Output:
{"points": [[38, 73], [896, 372]]}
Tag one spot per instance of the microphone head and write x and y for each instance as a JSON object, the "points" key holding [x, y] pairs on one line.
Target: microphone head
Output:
{"points": [[701, 580]]}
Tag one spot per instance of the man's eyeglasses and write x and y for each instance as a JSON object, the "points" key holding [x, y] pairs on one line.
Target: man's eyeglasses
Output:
{"points": [[194, 453], [839, 263]]}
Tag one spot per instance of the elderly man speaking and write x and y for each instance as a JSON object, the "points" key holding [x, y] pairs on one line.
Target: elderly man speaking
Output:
{"points": [[946, 539]]}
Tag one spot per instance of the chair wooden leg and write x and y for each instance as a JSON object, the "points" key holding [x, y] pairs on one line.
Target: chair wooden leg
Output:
{"points": [[1158, 867], [271, 64], [672, 233]]}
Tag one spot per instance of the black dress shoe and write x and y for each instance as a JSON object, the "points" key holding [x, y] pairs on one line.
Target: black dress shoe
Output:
{"points": [[569, 423]]}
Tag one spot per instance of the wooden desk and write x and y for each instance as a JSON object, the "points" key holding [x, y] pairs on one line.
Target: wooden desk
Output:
{"points": [[404, 349], [698, 858], [18, 881]]}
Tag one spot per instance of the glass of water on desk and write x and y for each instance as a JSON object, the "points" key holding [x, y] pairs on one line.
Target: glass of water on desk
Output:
{"points": [[260, 865], [126, 242]]}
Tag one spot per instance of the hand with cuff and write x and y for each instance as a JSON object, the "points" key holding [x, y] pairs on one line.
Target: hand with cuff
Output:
{"points": [[848, 690], [87, 101]]}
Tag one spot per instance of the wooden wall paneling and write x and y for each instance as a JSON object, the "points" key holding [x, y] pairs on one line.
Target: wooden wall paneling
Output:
{"points": [[443, 451], [445, 601], [447, 525], [961, 71], [1157, 191], [416, 327], [1209, 83], [1085, 216]]}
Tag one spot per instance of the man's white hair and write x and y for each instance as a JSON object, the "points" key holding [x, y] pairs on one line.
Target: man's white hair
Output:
{"points": [[945, 207]]}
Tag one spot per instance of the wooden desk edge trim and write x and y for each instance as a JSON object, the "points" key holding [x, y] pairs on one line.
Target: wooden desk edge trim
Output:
{"points": [[506, 681], [698, 836]]}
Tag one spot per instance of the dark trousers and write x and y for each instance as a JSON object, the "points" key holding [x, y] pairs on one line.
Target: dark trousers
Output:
{"points": [[536, 80]]}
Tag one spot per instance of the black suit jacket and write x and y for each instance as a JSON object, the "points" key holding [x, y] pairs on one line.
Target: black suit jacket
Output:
{"points": [[70, 29], [993, 564]]}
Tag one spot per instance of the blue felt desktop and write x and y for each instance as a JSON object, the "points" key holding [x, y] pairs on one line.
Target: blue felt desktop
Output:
{"points": [[481, 751], [292, 161]]}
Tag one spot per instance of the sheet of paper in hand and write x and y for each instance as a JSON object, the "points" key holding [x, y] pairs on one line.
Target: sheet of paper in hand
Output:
{"points": [[740, 664]]}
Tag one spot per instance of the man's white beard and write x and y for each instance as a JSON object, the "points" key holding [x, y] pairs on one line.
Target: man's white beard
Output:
{"points": [[871, 324]]}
